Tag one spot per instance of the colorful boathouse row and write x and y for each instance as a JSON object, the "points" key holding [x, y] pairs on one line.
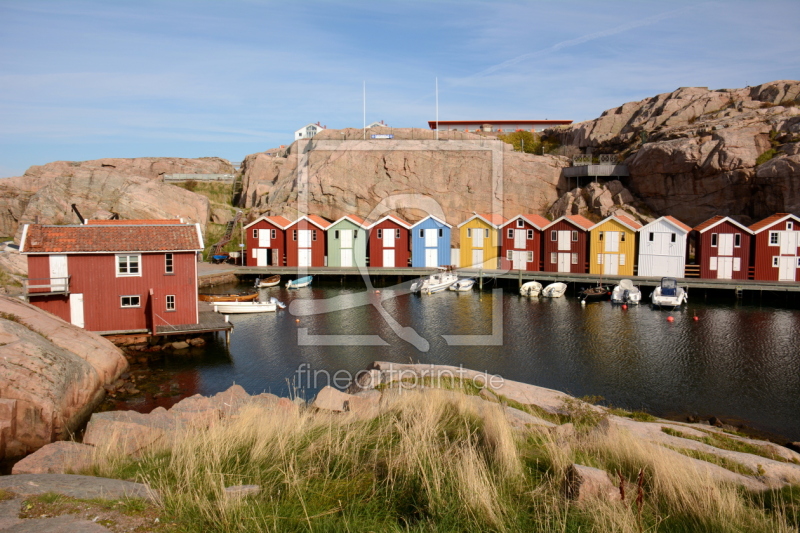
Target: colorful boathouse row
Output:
{"points": [[768, 250]]}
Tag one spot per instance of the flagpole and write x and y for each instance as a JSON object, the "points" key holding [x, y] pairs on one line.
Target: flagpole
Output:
{"points": [[365, 109], [437, 108]]}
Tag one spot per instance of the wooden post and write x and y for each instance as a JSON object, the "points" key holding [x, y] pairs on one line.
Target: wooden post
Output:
{"points": [[519, 272], [480, 279]]}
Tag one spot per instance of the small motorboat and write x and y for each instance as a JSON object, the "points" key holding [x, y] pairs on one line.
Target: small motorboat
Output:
{"points": [[668, 294], [241, 297], [277, 302], [626, 293], [434, 283], [299, 283], [463, 285], [235, 308], [531, 288], [595, 294], [268, 282], [554, 290]]}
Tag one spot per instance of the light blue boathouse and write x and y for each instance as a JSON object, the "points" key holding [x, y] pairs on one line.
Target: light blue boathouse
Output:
{"points": [[430, 243]]}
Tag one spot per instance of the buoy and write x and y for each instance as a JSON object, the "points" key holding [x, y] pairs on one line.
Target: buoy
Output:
{"points": [[624, 306], [297, 320], [583, 302], [377, 292], [695, 318], [670, 319]]}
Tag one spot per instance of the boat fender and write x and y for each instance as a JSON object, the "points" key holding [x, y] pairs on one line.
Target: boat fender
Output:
{"points": [[670, 319], [583, 302], [624, 306], [695, 318]]}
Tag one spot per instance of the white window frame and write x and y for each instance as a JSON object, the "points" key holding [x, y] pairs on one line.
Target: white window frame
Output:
{"points": [[789, 225], [255, 233], [553, 258], [169, 263], [553, 235], [520, 223], [273, 233], [737, 240], [509, 255], [777, 238], [530, 234], [510, 233], [397, 234], [127, 274], [714, 240], [530, 257], [574, 259], [170, 305], [380, 233], [130, 304], [574, 236], [775, 261]]}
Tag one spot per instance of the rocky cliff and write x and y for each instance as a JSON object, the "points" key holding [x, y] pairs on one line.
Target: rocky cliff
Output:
{"points": [[129, 187], [694, 153]]}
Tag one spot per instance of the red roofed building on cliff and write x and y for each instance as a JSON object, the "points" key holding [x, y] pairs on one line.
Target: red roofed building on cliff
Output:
{"points": [[115, 276]]}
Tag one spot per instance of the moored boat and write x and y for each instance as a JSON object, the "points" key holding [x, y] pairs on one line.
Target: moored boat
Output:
{"points": [[595, 294], [668, 294], [267, 282], [241, 297], [434, 283], [531, 288], [554, 290], [299, 283], [626, 293], [235, 308], [463, 285]]}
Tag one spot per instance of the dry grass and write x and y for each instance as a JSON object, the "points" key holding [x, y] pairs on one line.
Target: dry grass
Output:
{"points": [[430, 461]]}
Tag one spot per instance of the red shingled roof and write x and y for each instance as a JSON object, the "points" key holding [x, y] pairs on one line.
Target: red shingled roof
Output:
{"points": [[495, 219], [629, 221], [279, 221], [130, 222], [713, 221], [580, 220], [762, 224], [111, 238], [678, 223], [537, 220]]}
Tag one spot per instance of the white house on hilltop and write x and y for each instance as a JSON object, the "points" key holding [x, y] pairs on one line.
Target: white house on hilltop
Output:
{"points": [[308, 131]]}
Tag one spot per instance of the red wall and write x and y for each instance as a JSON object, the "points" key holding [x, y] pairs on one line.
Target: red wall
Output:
{"points": [[95, 277], [704, 251], [764, 253], [533, 245], [581, 247], [401, 248], [278, 242], [318, 247]]}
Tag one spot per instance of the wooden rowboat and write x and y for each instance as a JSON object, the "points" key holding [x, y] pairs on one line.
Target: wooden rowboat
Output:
{"points": [[268, 282], [241, 297]]}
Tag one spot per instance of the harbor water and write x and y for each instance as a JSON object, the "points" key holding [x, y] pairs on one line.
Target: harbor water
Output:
{"points": [[737, 361]]}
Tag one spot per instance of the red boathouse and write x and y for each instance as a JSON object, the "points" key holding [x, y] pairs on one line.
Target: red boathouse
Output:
{"points": [[306, 244], [722, 248], [566, 244], [521, 242], [389, 243], [777, 249], [120, 276], [266, 241]]}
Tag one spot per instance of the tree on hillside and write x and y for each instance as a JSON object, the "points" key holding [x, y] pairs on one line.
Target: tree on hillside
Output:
{"points": [[522, 141]]}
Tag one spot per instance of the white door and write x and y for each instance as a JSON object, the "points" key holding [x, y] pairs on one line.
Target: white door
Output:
{"points": [[261, 257], [58, 269], [347, 238], [724, 267], [76, 310], [304, 238], [786, 268], [519, 258], [612, 241], [304, 257], [477, 237], [564, 262], [477, 258], [661, 243], [347, 257], [611, 263], [430, 238], [519, 239], [263, 238], [725, 245], [388, 239], [788, 240], [431, 256], [564, 242], [388, 258]]}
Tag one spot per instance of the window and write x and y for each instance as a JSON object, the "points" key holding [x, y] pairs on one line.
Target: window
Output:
{"points": [[314, 235], [574, 259], [336, 234], [294, 234], [469, 233], [255, 234], [170, 302], [530, 257], [168, 264], [128, 265], [600, 235], [798, 262], [530, 234], [621, 259], [713, 240], [775, 261], [789, 226], [521, 223], [674, 237], [129, 301], [622, 237], [554, 258], [651, 236], [510, 233], [441, 233], [554, 235], [574, 236], [486, 234], [737, 240], [397, 234], [380, 234], [273, 234], [509, 255], [422, 233], [774, 238], [355, 234]]}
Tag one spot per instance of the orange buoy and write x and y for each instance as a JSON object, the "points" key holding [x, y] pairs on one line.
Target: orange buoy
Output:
{"points": [[695, 318], [297, 320], [624, 306], [670, 319], [377, 292]]}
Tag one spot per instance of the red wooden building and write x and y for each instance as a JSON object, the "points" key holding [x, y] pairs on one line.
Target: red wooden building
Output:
{"points": [[115, 276], [306, 244], [566, 244], [389, 242], [521, 242], [722, 248], [777, 248], [266, 241]]}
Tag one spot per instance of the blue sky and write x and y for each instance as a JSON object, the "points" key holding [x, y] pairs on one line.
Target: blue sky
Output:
{"points": [[85, 80]]}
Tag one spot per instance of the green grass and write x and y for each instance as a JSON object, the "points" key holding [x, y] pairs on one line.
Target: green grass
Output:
{"points": [[214, 233], [5, 495], [725, 463], [766, 156], [217, 193], [727, 443]]}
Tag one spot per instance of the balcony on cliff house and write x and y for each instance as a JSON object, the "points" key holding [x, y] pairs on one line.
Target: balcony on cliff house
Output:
{"points": [[45, 287], [584, 166]]}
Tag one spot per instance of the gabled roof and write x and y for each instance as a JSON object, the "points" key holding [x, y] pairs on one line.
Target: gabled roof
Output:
{"points": [[771, 221], [675, 221], [316, 220], [437, 219], [98, 222], [111, 238], [576, 220], [278, 221], [622, 219], [538, 221], [355, 219], [398, 220], [717, 220], [493, 220]]}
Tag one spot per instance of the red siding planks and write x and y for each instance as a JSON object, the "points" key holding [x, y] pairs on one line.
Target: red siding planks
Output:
{"points": [[707, 252], [401, 244], [579, 247], [533, 244], [277, 243]]}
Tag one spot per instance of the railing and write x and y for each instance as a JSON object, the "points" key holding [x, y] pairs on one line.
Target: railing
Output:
{"points": [[53, 286], [198, 177]]}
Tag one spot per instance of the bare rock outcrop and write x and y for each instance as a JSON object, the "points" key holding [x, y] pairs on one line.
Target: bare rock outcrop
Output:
{"points": [[53, 376], [146, 167], [597, 201]]}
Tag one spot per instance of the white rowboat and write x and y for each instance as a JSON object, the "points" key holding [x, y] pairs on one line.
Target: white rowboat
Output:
{"points": [[463, 285], [531, 288], [554, 290]]}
